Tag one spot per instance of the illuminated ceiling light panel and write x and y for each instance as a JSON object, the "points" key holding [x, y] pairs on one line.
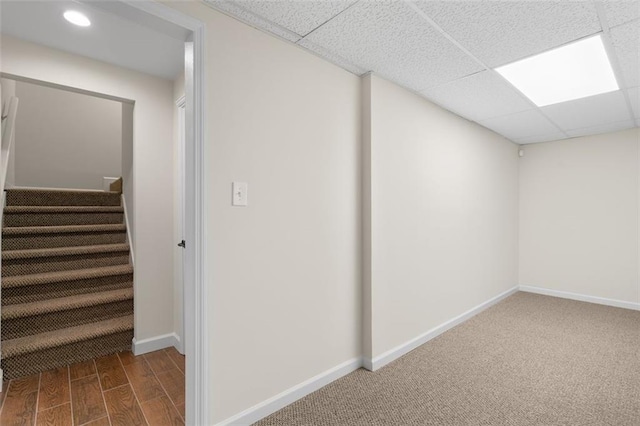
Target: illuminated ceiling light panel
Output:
{"points": [[569, 72]]}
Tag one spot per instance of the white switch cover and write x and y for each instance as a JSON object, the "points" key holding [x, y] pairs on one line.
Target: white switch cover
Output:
{"points": [[240, 194]]}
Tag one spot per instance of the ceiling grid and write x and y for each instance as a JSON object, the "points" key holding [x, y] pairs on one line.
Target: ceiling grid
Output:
{"points": [[485, 66], [451, 56], [606, 38]]}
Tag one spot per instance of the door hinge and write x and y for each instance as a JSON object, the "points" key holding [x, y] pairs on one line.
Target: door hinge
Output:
{"points": [[182, 244]]}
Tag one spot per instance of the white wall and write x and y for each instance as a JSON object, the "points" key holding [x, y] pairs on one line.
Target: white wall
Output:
{"points": [[443, 215], [284, 275], [579, 216], [152, 158], [66, 139]]}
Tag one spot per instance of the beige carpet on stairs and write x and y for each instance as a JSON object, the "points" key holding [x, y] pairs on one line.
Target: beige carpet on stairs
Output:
{"points": [[529, 360], [67, 285]]}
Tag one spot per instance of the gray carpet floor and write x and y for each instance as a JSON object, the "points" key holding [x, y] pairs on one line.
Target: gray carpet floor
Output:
{"points": [[529, 360]]}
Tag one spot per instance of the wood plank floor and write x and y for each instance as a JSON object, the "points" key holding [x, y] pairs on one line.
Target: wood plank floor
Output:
{"points": [[114, 390]]}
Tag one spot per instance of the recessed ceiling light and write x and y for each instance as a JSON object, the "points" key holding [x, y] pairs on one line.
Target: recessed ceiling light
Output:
{"points": [[573, 71], [77, 18]]}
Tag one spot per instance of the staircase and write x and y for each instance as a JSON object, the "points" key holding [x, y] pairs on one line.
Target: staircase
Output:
{"points": [[67, 284]]}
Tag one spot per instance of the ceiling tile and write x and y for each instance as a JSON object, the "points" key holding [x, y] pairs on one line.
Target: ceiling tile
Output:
{"points": [[331, 57], [626, 43], [521, 125], [606, 128], [479, 96], [301, 17], [589, 112], [634, 97], [621, 11], [252, 19], [395, 42], [499, 32], [545, 138]]}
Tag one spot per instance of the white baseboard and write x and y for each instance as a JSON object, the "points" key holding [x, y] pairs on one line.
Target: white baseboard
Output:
{"points": [[293, 394], [144, 346], [398, 351], [581, 297]]}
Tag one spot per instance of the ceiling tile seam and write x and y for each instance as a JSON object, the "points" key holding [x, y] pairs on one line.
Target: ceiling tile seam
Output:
{"points": [[437, 27], [439, 85], [445, 34], [624, 23], [330, 19], [362, 72], [613, 59], [600, 125], [259, 18], [279, 37]]}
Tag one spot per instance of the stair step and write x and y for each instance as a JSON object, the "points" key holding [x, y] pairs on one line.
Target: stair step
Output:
{"points": [[50, 197], [19, 216], [25, 319], [63, 251], [62, 209], [31, 354], [66, 229], [65, 303], [54, 290], [65, 336], [64, 276], [27, 262], [35, 237]]}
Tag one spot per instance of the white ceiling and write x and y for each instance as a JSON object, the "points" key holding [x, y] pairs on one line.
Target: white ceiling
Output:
{"points": [[447, 50], [154, 48]]}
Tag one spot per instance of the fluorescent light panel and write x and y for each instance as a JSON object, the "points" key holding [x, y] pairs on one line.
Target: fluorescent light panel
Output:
{"points": [[573, 71]]}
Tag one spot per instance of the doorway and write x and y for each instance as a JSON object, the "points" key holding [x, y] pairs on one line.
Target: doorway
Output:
{"points": [[194, 324]]}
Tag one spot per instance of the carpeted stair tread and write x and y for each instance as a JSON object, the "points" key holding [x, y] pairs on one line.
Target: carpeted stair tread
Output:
{"points": [[63, 209], [67, 284], [66, 336], [63, 251], [58, 276], [26, 216], [53, 197], [68, 229], [65, 303]]}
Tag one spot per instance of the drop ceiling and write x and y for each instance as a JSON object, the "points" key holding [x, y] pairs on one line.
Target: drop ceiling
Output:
{"points": [[156, 48], [447, 51]]}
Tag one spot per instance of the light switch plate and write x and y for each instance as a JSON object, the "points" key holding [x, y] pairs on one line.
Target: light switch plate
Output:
{"points": [[239, 194]]}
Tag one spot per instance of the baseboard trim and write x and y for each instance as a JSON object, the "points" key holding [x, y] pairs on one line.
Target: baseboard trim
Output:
{"points": [[581, 297], [395, 353], [293, 394], [151, 344]]}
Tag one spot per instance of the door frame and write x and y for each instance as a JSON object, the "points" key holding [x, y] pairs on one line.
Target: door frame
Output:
{"points": [[195, 292], [180, 212]]}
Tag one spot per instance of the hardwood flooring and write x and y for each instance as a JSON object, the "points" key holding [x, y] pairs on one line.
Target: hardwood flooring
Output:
{"points": [[114, 390]]}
